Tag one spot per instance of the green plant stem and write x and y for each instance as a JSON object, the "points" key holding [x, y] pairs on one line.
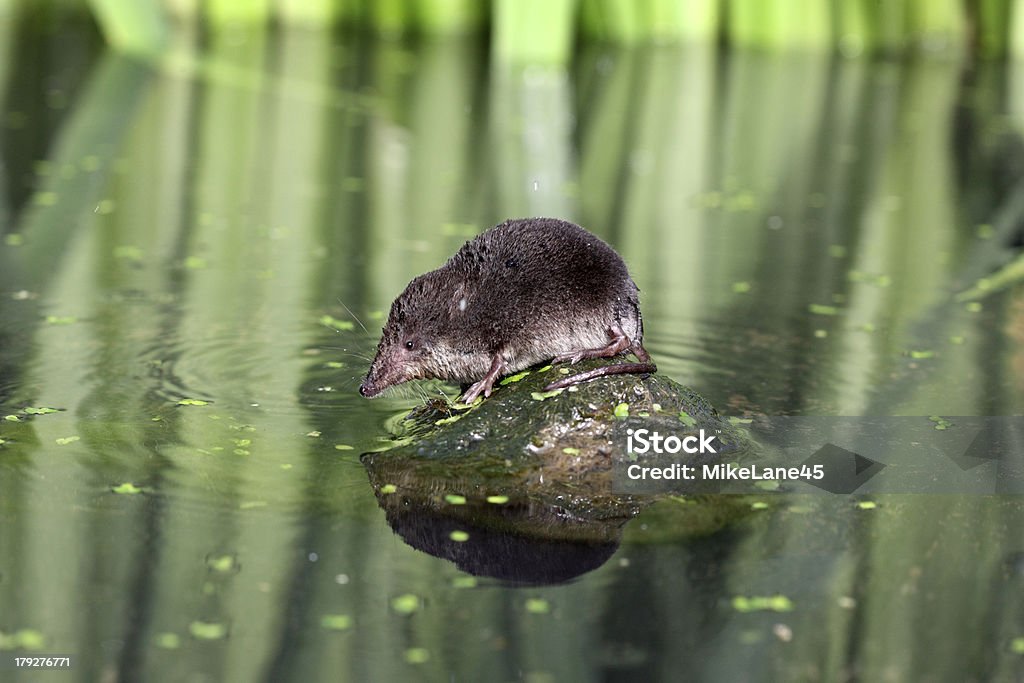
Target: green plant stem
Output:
{"points": [[449, 17], [938, 25], [308, 12], [390, 17], [533, 31], [992, 18], [136, 27], [1016, 46], [251, 12]]}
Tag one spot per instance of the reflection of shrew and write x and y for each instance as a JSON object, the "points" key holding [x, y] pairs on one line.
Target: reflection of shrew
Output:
{"points": [[518, 544], [525, 291]]}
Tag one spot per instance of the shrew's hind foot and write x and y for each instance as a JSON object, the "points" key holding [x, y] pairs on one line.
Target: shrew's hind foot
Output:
{"points": [[619, 342]]}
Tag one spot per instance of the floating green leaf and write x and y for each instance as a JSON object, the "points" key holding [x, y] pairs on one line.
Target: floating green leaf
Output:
{"points": [[417, 655], [867, 505], [405, 604], [822, 309], [459, 536], [497, 500], [621, 410], [23, 639], [65, 440], [193, 402], [40, 411], [222, 563], [388, 488], [330, 321], [336, 622], [537, 606], [168, 641], [514, 378], [770, 603], [127, 489], [544, 395], [458, 405], [128, 252], [569, 450], [206, 630], [343, 447], [454, 499]]}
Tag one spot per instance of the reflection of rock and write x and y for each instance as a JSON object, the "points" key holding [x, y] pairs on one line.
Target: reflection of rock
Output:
{"points": [[520, 487], [514, 541]]}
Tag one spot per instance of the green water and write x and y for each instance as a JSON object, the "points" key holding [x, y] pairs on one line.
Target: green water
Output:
{"points": [[219, 230]]}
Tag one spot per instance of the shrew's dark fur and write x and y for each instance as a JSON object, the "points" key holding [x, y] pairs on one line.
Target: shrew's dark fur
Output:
{"points": [[525, 291]]}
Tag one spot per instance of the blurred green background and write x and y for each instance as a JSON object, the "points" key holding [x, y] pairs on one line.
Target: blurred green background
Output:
{"points": [[547, 30], [822, 203]]}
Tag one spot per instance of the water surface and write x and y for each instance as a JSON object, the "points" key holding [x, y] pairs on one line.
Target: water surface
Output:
{"points": [[197, 258]]}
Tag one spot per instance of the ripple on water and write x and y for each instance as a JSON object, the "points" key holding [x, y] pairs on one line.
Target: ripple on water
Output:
{"points": [[727, 362], [238, 372]]}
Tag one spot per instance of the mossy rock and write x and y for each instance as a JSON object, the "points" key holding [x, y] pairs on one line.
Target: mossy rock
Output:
{"points": [[551, 455]]}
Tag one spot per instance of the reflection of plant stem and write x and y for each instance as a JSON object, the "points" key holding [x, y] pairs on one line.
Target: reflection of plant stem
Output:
{"points": [[1010, 274], [64, 204]]}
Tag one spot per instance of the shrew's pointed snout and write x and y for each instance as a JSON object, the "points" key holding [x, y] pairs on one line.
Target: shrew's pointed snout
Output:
{"points": [[382, 375]]}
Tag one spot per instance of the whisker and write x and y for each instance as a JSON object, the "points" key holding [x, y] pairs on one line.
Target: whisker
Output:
{"points": [[354, 316]]}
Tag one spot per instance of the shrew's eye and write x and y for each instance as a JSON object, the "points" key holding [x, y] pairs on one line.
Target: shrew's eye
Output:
{"points": [[410, 345]]}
